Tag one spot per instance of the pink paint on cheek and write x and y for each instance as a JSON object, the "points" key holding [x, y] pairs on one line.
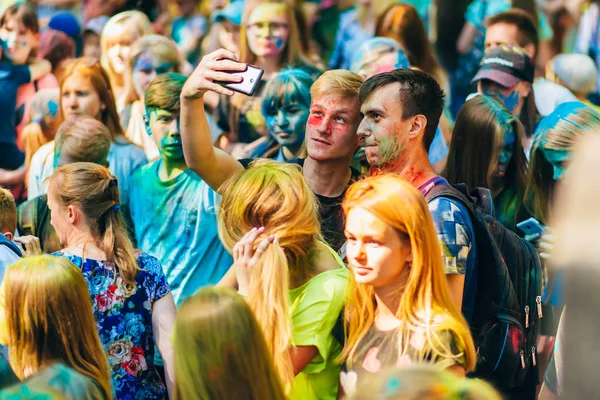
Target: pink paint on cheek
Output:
{"points": [[314, 121]]}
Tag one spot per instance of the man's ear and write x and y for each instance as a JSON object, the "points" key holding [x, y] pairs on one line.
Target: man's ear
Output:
{"points": [[147, 125], [8, 235], [417, 128]]}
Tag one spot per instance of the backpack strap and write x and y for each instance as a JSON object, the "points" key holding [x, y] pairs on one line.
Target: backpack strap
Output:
{"points": [[5, 242], [458, 193]]}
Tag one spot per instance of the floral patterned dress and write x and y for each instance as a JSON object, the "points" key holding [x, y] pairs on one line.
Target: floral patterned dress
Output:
{"points": [[123, 316]]}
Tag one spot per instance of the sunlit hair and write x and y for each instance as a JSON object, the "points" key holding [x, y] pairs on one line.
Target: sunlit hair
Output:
{"points": [[43, 116], [83, 138], [220, 350], [275, 196], [164, 92], [158, 47], [290, 86], [375, 48], [49, 319], [403, 24], [423, 382], [425, 302], [337, 82], [474, 149], [92, 189], [23, 13], [89, 68], [124, 29], [8, 212], [559, 131]]}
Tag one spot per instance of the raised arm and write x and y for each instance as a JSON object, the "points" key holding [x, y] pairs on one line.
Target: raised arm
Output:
{"points": [[213, 165]]}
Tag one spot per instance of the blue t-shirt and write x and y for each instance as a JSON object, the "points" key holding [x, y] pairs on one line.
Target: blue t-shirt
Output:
{"points": [[11, 77], [456, 233], [176, 221], [350, 36]]}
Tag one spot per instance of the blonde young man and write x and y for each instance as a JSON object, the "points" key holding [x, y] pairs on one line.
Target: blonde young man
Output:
{"points": [[331, 138]]}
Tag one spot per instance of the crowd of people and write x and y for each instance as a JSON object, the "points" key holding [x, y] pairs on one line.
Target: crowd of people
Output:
{"points": [[398, 206]]}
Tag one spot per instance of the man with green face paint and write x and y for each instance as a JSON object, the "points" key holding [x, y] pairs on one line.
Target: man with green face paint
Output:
{"points": [[173, 210]]}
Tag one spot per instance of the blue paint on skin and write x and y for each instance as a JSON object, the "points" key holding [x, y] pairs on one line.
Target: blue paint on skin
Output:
{"points": [[165, 126], [279, 42], [510, 100], [147, 64], [286, 105], [52, 108]]}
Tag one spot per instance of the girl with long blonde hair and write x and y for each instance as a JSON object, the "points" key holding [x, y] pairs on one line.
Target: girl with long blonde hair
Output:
{"points": [[131, 300], [270, 38], [220, 350], [86, 90], [119, 33], [47, 321], [399, 309], [294, 283]]}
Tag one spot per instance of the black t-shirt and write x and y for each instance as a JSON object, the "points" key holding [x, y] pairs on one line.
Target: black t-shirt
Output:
{"points": [[331, 214]]}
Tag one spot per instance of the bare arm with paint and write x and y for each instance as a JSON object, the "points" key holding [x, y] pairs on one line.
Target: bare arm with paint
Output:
{"points": [[210, 163]]}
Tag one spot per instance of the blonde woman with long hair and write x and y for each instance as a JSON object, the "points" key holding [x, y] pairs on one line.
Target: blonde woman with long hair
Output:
{"points": [[119, 33], [294, 283], [131, 300], [220, 350], [399, 310], [47, 322]]}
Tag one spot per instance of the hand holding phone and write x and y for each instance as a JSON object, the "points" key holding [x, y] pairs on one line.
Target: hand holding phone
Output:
{"points": [[250, 79], [532, 229], [219, 66]]}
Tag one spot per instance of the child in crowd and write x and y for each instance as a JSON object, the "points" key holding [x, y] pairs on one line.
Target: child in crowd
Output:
{"points": [[174, 211], [576, 72]]}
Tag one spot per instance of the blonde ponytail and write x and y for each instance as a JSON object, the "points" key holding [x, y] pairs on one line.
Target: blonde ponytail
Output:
{"points": [[269, 299], [117, 247]]}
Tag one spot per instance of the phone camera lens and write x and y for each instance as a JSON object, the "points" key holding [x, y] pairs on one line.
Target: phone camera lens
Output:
{"points": [[252, 80]]}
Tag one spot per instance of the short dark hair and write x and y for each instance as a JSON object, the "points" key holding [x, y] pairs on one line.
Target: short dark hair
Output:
{"points": [[527, 27], [419, 92], [164, 91]]}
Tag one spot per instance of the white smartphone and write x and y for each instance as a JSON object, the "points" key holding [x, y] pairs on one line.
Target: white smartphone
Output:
{"points": [[251, 78]]}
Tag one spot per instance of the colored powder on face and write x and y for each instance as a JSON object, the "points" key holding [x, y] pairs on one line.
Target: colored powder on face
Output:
{"points": [[279, 42], [510, 100], [52, 108]]}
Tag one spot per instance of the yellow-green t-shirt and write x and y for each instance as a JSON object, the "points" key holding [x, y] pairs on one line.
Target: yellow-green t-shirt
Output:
{"points": [[316, 306]]}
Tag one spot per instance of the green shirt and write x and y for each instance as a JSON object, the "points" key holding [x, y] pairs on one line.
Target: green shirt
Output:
{"points": [[316, 306]]}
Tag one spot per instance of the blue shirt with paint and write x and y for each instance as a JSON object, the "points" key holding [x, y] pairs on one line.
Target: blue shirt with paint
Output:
{"points": [[176, 222], [350, 36], [456, 233]]}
